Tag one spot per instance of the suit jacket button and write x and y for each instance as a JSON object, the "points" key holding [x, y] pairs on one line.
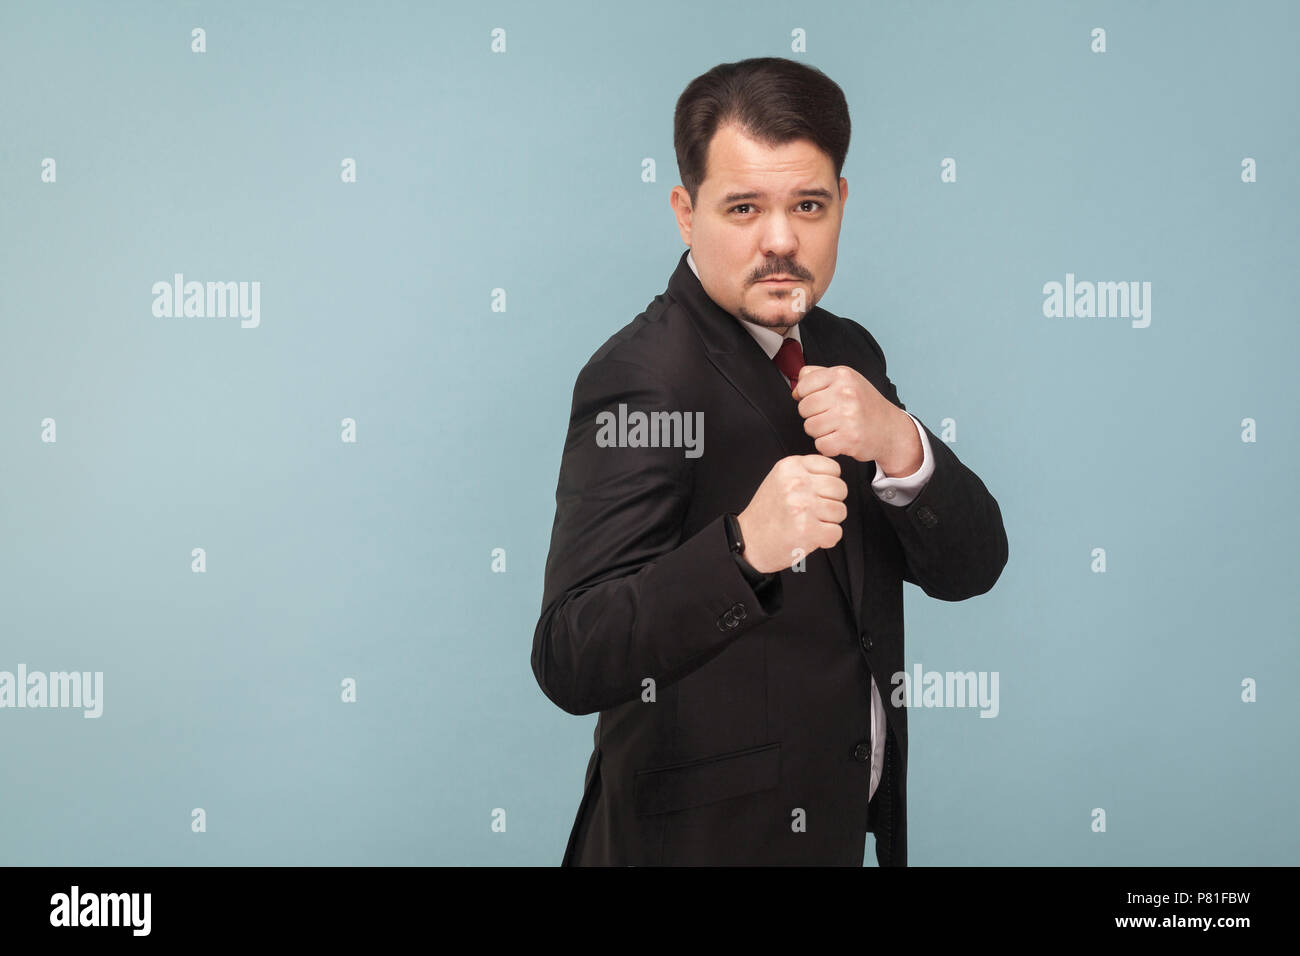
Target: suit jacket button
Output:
{"points": [[925, 514], [866, 642], [739, 611], [862, 753]]}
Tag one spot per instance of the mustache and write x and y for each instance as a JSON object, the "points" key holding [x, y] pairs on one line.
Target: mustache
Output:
{"points": [[797, 273]]}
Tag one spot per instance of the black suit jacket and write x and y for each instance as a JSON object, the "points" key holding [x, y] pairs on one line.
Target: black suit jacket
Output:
{"points": [[734, 724]]}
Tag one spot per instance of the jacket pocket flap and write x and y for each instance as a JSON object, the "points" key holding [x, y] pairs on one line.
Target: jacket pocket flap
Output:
{"points": [[707, 780]]}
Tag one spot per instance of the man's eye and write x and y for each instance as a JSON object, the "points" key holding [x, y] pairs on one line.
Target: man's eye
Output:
{"points": [[806, 202]]}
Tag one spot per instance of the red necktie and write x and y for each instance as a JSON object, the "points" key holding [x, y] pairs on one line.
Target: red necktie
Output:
{"points": [[789, 359]]}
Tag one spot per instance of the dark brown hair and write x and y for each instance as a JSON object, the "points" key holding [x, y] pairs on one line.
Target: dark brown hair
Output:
{"points": [[774, 100]]}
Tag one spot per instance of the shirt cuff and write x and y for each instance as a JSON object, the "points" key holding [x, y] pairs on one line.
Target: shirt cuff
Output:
{"points": [[903, 490]]}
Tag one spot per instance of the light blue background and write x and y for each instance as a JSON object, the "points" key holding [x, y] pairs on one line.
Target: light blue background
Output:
{"points": [[522, 171]]}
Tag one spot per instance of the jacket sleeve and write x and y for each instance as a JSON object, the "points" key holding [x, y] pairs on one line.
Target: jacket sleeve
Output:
{"points": [[626, 596], [953, 538]]}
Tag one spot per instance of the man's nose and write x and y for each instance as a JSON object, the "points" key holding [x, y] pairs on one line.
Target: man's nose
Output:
{"points": [[779, 239]]}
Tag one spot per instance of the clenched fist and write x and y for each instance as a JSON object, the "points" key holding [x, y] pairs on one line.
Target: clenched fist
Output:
{"points": [[797, 509]]}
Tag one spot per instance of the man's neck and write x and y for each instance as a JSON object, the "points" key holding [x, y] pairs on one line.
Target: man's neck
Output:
{"points": [[769, 338]]}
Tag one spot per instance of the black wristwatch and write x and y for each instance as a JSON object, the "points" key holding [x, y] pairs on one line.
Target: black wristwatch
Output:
{"points": [[736, 542]]}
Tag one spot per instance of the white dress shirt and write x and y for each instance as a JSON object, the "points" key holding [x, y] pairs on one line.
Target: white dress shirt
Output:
{"points": [[895, 491]]}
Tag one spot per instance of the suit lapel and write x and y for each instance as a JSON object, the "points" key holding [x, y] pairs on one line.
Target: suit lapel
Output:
{"points": [[743, 363]]}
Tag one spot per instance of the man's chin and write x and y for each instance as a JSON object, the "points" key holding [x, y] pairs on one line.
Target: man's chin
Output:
{"points": [[769, 321]]}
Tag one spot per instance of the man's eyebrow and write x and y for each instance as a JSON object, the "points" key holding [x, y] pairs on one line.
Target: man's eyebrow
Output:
{"points": [[811, 193]]}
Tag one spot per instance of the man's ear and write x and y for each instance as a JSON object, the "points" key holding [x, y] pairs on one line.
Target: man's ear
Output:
{"points": [[680, 200]]}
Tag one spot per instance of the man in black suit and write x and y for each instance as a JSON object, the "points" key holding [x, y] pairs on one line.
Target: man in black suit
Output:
{"points": [[740, 499]]}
